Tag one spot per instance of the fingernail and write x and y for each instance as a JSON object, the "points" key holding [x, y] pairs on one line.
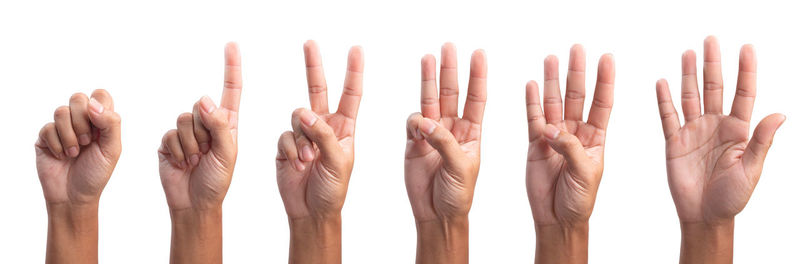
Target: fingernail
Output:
{"points": [[299, 165], [417, 134], [84, 139], [95, 106], [207, 104], [308, 118], [72, 151], [308, 154], [204, 147], [551, 132], [195, 159], [427, 126]]}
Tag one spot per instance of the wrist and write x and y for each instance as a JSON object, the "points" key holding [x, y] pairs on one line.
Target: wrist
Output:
{"points": [[562, 243], [315, 239], [703, 242], [443, 240], [71, 233], [196, 236]]}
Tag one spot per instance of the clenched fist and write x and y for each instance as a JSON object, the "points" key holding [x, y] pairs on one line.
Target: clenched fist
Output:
{"points": [[75, 156], [315, 160], [196, 163]]}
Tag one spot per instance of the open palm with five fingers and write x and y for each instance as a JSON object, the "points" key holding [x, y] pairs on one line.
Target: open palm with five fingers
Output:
{"points": [[315, 159], [76, 154], [197, 159], [712, 167], [565, 153], [443, 150]]}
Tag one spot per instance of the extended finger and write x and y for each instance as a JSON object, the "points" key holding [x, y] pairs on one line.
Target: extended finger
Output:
{"points": [[536, 120], [712, 77], [351, 94], [552, 93], [603, 93], [232, 88], [690, 96], [315, 76], [476, 90], [576, 84], [746, 85], [448, 81], [669, 117], [429, 99]]}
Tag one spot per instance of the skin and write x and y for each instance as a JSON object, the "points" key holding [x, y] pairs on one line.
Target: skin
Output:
{"points": [[196, 163], [75, 156], [565, 156], [443, 158], [712, 166], [315, 160]]}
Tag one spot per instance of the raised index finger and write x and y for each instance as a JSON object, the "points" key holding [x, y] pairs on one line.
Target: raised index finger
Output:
{"points": [[232, 90], [476, 92], [351, 95]]}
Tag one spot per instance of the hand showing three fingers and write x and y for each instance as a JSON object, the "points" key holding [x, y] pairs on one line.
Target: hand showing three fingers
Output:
{"points": [[315, 160], [443, 156], [565, 156]]}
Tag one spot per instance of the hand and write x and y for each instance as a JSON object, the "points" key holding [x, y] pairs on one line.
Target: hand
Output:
{"points": [[315, 160], [565, 156], [443, 152], [75, 157], [712, 167], [196, 163]]}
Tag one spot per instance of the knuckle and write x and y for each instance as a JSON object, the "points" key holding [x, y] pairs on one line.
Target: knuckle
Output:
{"points": [[61, 112], [185, 119], [78, 98]]}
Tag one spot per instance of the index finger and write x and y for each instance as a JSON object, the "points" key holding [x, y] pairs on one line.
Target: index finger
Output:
{"points": [[351, 95], [476, 90], [603, 93], [232, 90]]}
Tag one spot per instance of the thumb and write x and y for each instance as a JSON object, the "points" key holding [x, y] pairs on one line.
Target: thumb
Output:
{"points": [[565, 144], [756, 152], [321, 134], [108, 124], [216, 122], [442, 140]]}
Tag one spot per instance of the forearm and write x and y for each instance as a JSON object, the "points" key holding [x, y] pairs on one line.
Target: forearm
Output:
{"points": [[707, 243], [71, 233], [315, 240], [557, 243], [196, 236], [443, 241]]}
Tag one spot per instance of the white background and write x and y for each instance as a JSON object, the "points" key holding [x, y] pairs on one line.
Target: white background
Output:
{"points": [[157, 58]]}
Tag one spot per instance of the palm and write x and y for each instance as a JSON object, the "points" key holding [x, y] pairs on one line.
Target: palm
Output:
{"points": [[432, 185], [704, 161], [81, 179], [318, 189], [560, 193], [712, 167]]}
